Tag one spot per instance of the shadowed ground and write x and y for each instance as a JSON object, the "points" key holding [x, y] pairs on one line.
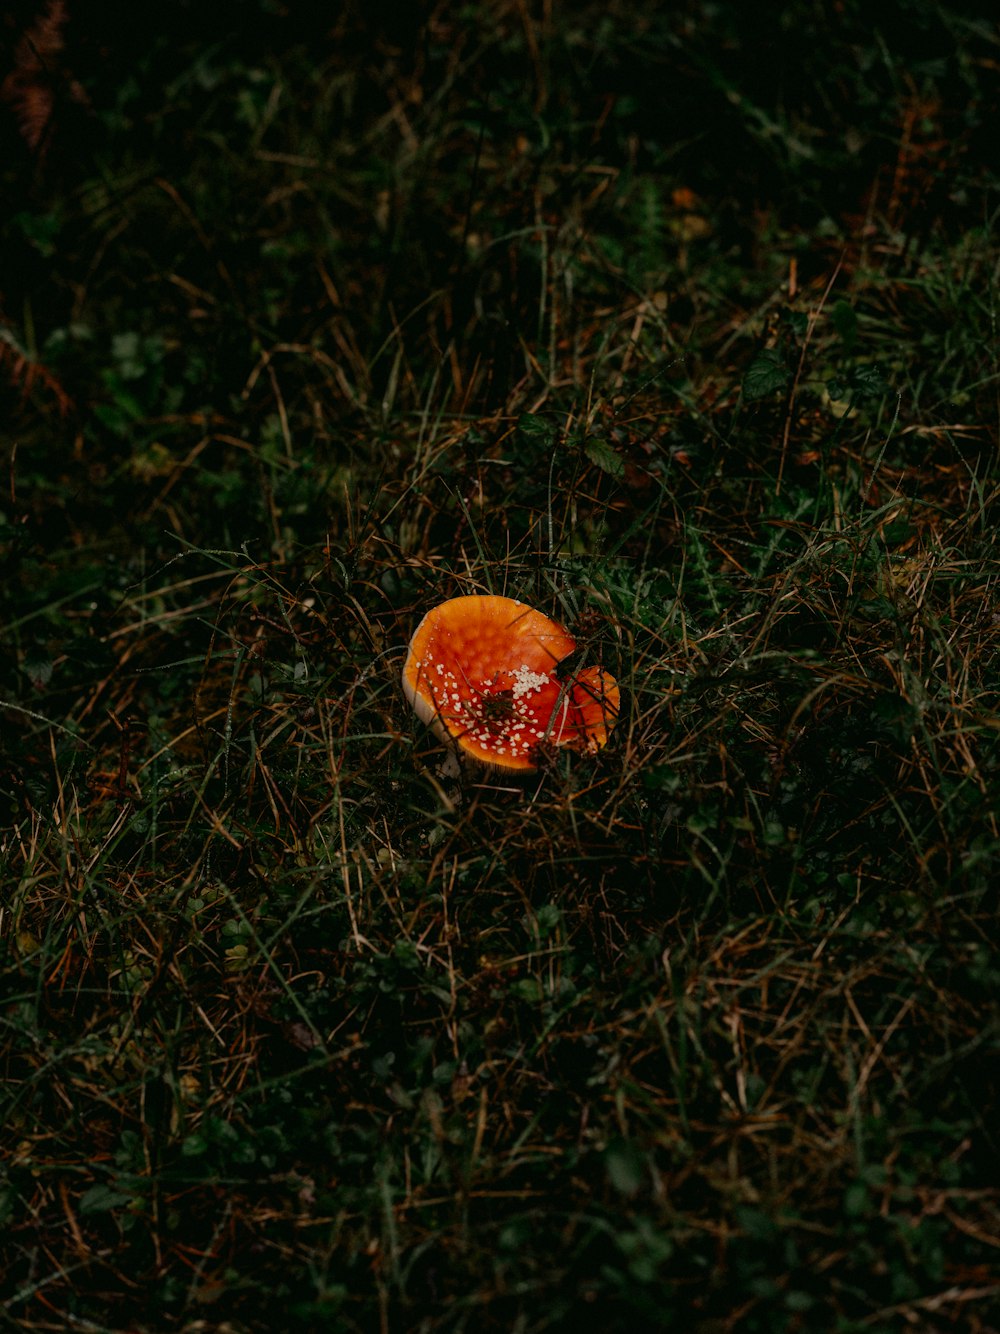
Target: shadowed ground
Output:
{"points": [[676, 323]]}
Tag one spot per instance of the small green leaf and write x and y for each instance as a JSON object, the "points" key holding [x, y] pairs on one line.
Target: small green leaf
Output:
{"points": [[528, 989], [102, 1199], [856, 1199], [766, 373], [797, 321], [626, 1167], [844, 320], [756, 1224], [897, 714], [38, 669], [868, 381], [601, 453], [535, 428]]}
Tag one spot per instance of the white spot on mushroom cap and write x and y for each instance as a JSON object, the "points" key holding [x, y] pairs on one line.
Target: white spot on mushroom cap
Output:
{"points": [[526, 681]]}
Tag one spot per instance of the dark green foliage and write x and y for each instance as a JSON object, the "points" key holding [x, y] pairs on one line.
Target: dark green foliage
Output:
{"points": [[676, 322]]}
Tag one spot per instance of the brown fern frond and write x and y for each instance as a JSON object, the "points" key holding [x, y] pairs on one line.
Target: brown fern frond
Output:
{"points": [[30, 87], [32, 103], [27, 374]]}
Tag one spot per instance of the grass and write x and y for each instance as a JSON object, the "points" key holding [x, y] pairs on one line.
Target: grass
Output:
{"points": [[681, 327]]}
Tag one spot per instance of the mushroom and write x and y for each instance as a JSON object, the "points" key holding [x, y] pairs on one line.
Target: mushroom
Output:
{"points": [[482, 671]]}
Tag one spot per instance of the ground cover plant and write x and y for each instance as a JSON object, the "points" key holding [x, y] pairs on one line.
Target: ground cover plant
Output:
{"points": [[677, 323]]}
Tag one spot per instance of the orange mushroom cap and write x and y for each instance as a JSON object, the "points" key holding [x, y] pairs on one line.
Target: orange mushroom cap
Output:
{"points": [[482, 672]]}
